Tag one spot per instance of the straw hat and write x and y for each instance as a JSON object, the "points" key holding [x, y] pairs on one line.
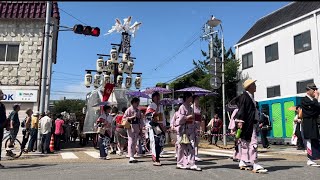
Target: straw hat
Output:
{"points": [[248, 82]]}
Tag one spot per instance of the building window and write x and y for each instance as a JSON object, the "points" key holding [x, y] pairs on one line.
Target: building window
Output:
{"points": [[302, 42], [271, 52], [9, 52], [273, 91], [301, 85], [247, 61]]}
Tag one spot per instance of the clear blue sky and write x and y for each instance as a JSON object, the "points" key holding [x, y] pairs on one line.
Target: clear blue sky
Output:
{"points": [[166, 28]]}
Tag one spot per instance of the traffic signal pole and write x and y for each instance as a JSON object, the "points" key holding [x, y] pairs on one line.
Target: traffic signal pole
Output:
{"points": [[45, 63]]}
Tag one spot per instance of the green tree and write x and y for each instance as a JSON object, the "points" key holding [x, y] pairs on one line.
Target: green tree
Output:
{"points": [[69, 105], [200, 77], [231, 74], [160, 84]]}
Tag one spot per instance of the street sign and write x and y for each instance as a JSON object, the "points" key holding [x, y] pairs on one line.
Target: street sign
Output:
{"points": [[125, 43], [215, 66], [216, 70], [215, 82]]}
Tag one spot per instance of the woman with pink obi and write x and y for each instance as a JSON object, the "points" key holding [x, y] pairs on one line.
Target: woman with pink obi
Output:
{"points": [[197, 118], [186, 132]]}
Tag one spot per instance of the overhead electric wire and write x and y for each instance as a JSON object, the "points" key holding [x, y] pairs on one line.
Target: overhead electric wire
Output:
{"points": [[68, 92], [176, 54], [70, 74], [187, 44], [72, 16], [177, 77]]}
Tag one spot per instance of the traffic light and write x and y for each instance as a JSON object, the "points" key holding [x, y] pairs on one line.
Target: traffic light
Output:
{"points": [[86, 30]]}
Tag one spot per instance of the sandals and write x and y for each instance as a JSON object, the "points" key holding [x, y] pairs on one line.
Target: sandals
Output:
{"points": [[195, 168], [260, 170], [133, 161], [247, 168], [180, 167], [314, 165], [157, 164]]}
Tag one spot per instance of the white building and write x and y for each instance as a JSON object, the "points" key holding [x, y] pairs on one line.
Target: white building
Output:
{"points": [[281, 51], [21, 50]]}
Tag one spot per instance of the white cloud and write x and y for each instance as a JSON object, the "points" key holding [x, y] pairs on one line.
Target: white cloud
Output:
{"points": [[71, 91]]}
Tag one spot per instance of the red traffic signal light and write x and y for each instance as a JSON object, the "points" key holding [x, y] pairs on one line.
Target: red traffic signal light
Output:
{"points": [[86, 30], [95, 32]]}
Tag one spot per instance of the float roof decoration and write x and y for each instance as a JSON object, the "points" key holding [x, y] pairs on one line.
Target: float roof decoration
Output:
{"points": [[125, 27]]}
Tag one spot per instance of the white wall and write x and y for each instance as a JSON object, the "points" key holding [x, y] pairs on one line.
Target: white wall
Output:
{"points": [[289, 68]]}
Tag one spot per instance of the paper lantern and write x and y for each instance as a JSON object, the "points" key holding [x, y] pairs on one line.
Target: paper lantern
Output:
{"points": [[100, 64], [119, 81], [96, 81], [88, 80], [114, 55], [106, 78], [137, 83], [121, 68], [128, 81]]}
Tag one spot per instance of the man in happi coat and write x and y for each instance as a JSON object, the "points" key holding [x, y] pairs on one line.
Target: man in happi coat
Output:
{"points": [[248, 117]]}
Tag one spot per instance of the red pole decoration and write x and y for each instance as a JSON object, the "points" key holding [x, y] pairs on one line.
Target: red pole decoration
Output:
{"points": [[108, 88]]}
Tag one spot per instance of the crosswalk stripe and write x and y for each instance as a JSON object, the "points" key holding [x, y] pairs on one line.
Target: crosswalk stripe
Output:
{"points": [[93, 154], [68, 155]]}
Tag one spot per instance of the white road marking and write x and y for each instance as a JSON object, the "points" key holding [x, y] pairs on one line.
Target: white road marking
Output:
{"points": [[68, 155], [93, 154]]}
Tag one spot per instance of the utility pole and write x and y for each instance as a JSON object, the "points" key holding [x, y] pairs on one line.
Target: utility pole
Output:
{"points": [[211, 56], [45, 58], [215, 81], [223, 93], [45, 64]]}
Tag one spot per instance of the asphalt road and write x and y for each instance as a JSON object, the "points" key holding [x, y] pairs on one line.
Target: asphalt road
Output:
{"points": [[213, 168], [76, 162], [216, 165]]}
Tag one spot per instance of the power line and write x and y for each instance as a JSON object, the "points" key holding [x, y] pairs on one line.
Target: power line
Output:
{"points": [[176, 54], [163, 77], [187, 44], [70, 74], [69, 92], [165, 62], [67, 79], [72, 16], [181, 75]]}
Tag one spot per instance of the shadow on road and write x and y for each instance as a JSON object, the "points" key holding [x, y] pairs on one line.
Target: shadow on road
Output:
{"points": [[226, 166], [22, 166], [272, 159], [235, 166], [281, 168], [205, 163], [197, 163]]}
